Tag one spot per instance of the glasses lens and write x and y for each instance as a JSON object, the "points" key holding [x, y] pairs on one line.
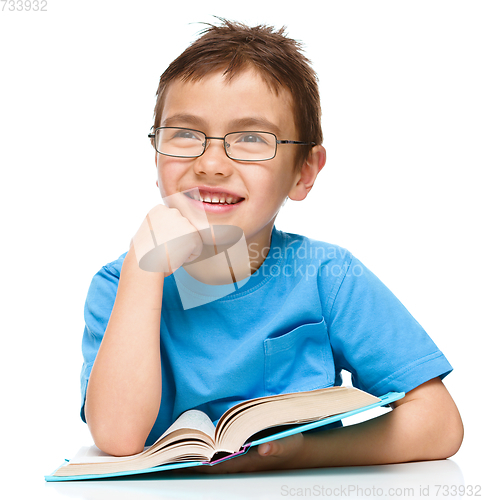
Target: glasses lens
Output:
{"points": [[253, 146], [183, 142]]}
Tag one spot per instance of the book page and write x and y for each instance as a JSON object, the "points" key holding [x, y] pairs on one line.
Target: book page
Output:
{"points": [[246, 419], [192, 419]]}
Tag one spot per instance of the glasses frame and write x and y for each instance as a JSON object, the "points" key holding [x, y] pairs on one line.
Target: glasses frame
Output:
{"points": [[205, 144]]}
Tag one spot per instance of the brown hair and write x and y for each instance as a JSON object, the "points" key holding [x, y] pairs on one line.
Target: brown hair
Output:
{"points": [[277, 58]]}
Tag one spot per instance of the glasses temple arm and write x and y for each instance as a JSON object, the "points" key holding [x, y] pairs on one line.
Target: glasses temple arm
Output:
{"points": [[297, 142]]}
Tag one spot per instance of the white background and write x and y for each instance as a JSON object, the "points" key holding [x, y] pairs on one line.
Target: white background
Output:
{"points": [[400, 86]]}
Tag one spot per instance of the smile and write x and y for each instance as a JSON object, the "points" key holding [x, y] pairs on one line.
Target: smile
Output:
{"points": [[214, 198]]}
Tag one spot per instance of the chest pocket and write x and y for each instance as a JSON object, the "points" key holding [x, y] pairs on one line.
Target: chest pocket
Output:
{"points": [[300, 360]]}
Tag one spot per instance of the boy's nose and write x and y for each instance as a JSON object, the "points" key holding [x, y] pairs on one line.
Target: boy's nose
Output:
{"points": [[214, 160]]}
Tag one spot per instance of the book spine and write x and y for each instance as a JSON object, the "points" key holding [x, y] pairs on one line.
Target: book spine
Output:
{"points": [[228, 457]]}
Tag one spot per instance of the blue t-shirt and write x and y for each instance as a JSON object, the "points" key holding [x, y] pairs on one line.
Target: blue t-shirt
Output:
{"points": [[310, 311]]}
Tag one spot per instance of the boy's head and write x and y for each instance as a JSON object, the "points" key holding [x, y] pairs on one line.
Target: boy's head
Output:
{"points": [[237, 128], [233, 48]]}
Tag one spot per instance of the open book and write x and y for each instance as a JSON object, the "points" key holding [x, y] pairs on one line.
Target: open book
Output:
{"points": [[193, 439]]}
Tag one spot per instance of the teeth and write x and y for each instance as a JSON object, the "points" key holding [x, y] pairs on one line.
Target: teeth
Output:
{"points": [[214, 199]]}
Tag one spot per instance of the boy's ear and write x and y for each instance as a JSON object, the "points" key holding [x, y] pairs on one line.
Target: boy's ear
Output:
{"points": [[308, 173]]}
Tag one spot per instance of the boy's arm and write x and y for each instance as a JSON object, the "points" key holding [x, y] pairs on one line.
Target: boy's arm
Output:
{"points": [[424, 425], [124, 390]]}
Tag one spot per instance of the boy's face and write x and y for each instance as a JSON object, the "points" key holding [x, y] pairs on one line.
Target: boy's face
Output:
{"points": [[217, 107]]}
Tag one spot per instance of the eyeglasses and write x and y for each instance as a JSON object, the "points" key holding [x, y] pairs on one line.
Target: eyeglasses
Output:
{"points": [[241, 146]]}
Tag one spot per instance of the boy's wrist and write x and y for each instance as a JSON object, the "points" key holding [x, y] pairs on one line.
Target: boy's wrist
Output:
{"points": [[131, 267]]}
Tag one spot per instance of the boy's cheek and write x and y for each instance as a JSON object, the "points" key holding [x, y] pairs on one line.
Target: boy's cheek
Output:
{"points": [[163, 182], [170, 173]]}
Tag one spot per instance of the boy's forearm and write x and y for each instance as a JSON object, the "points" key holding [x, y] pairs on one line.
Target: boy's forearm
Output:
{"points": [[124, 390], [382, 440], [419, 428]]}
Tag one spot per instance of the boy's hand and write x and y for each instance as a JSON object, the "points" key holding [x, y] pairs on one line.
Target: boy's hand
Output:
{"points": [[165, 241], [280, 454]]}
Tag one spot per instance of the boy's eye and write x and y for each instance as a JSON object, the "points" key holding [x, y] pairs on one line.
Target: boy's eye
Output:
{"points": [[185, 134], [250, 138]]}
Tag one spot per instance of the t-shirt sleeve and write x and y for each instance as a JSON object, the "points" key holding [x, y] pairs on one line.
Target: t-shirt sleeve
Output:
{"points": [[97, 311], [376, 339]]}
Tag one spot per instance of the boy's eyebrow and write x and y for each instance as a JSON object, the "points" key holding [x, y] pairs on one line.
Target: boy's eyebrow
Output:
{"points": [[249, 123], [255, 123], [184, 118]]}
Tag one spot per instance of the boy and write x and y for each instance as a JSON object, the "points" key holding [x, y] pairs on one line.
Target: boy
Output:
{"points": [[236, 132]]}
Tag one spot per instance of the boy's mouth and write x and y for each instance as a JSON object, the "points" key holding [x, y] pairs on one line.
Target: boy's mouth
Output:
{"points": [[218, 198]]}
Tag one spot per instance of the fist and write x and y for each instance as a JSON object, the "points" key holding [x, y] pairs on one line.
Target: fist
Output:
{"points": [[165, 241]]}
